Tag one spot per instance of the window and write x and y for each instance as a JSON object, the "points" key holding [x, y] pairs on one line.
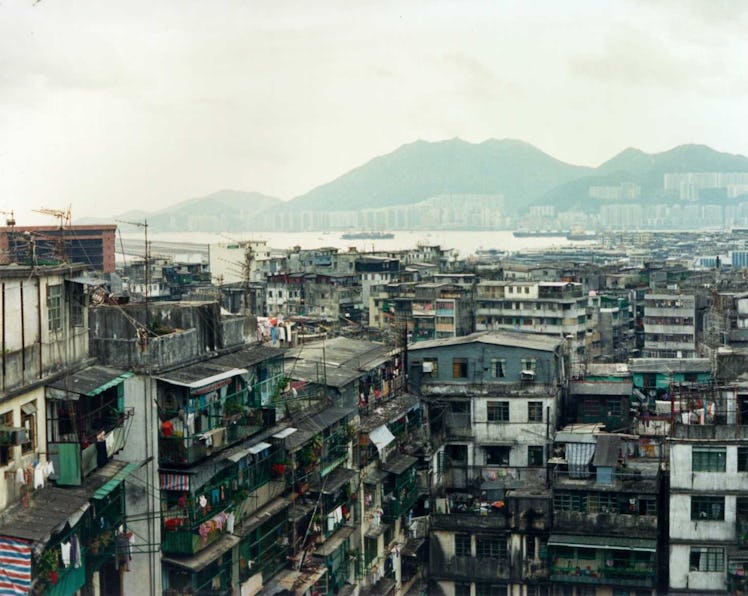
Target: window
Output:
{"points": [[534, 455], [707, 508], [77, 304], [497, 455], [742, 459], [28, 421], [530, 547], [462, 545], [570, 502], [54, 307], [708, 459], [535, 411], [462, 589], [602, 503], [497, 411], [706, 559], [459, 368], [6, 451], [490, 547], [431, 367], [528, 364], [614, 407], [497, 368]]}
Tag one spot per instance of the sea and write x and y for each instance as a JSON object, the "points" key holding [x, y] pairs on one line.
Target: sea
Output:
{"points": [[465, 243]]}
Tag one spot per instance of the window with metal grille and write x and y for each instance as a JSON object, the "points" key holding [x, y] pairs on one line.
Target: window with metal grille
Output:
{"points": [[497, 411], [708, 459], [490, 547], [535, 411], [706, 559], [462, 545], [707, 508]]}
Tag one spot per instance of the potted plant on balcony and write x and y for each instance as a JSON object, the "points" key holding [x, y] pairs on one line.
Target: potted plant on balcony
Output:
{"points": [[47, 566]]}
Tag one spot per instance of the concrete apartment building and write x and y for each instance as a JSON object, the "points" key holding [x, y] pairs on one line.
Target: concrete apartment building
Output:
{"points": [[63, 424], [491, 401], [669, 325], [550, 308]]}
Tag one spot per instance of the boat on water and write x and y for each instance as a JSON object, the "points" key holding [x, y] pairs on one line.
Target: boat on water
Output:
{"points": [[581, 236], [367, 236], [539, 233]]}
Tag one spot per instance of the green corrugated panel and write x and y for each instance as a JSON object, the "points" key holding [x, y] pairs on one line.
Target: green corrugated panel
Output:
{"points": [[69, 468], [114, 382], [116, 479]]}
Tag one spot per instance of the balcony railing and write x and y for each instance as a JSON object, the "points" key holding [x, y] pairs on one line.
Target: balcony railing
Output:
{"points": [[467, 568], [394, 508], [619, 576]]}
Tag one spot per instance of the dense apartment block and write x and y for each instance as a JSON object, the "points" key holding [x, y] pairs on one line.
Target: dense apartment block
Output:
{"points": [[669, 325], [491, 401], [62, 421], [550, 308], [607, 505]]}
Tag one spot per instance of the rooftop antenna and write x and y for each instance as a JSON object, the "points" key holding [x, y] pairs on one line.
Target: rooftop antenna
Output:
{"points": [[65, 222]]}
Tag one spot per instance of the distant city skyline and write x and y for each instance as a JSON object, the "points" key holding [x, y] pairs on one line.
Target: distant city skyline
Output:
{"points": [[140, 106]]}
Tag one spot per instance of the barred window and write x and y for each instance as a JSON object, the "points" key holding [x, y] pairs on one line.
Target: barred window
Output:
{"points": [[490, 547], [707, 508], [708, 459], [706, 559]]}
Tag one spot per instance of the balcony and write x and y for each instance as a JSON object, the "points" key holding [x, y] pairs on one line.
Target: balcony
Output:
{"points": [[466, 568], [644, 526], [630, 577]]}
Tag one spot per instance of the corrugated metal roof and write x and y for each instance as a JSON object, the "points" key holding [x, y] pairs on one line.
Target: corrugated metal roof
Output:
{"points": [[91, 380], [670, 365], [249, 356], [333, 481], [206, 556], [199, 374], [399, 463], [601, 388], [530, 341]]}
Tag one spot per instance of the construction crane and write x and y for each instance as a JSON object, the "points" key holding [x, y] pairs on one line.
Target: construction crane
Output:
{"points": [[10, 220], [63, 216]]}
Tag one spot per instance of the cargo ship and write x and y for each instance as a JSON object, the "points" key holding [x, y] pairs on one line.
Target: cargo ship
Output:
{"points": [[540, 233], [367, 236]]}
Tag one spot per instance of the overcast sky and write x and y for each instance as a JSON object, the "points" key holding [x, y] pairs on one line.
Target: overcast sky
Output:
{"points": [[140, 104]]}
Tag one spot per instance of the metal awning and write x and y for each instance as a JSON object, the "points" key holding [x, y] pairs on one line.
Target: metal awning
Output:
{"points": [[200, 375], [118, 478], [206, 556], [333, 481], [333, 542], [263, 514], [29, 408], [612, 542], [399, 463], [381, 437], [375, 530], [376, 476], [261, 446], [285, 433], [89, 381]]}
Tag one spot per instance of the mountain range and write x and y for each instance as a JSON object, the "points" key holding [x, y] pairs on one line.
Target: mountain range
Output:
{"points": [[517, 171]]}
